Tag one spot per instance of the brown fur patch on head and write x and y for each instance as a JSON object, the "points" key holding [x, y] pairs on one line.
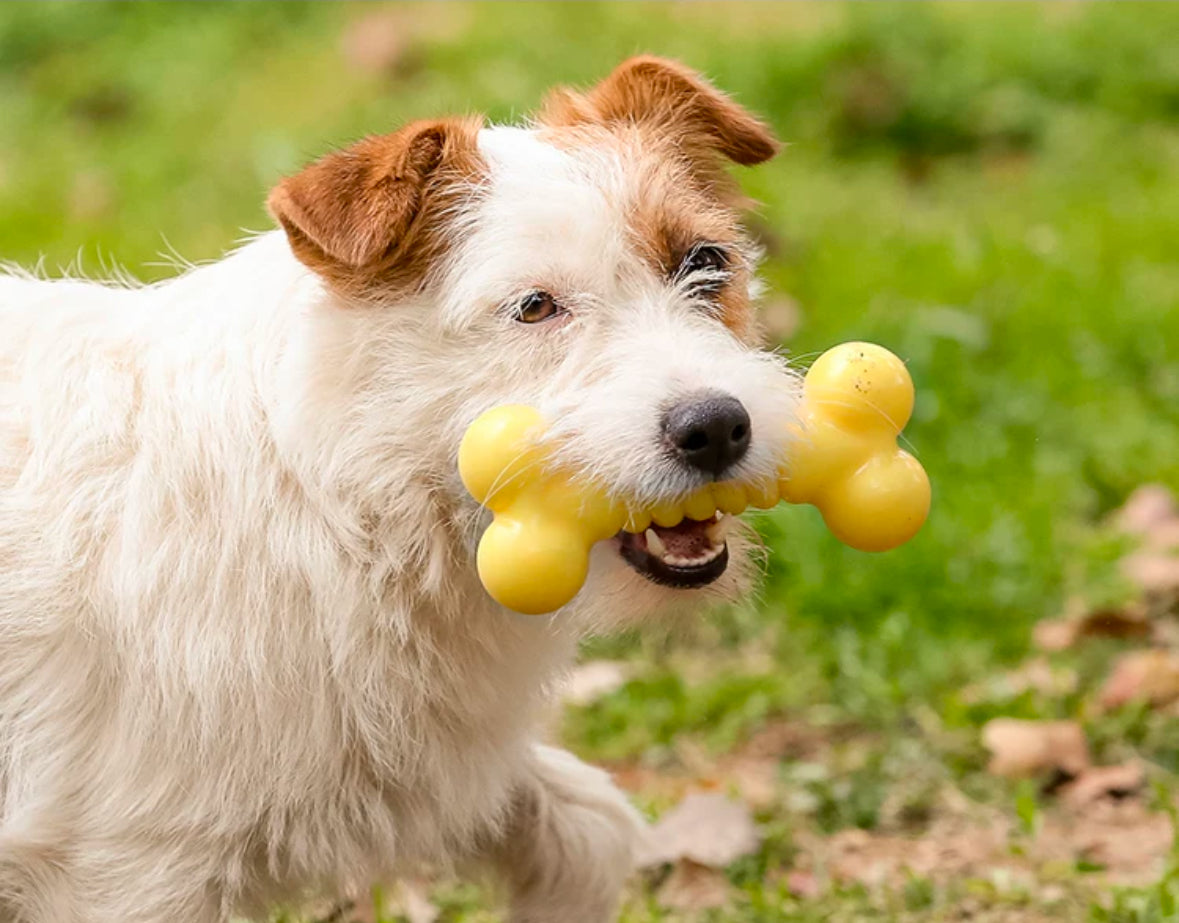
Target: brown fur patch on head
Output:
{"points": [[673, 100], [677, 130], [671, 217], [371, 218]]}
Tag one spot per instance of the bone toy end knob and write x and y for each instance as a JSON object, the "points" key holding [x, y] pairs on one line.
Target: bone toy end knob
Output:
{"points": [[534, 556], [873, 495]]}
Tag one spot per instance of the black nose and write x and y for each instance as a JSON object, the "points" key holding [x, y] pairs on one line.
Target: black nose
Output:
{"points": [[709, 431]]}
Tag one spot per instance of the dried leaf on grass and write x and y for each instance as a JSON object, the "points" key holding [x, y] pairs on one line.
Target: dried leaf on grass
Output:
{"points": [[1154, 571], [781, 318], [708, 829], [944, 852], [1147, 511], [588, 682], [1152, 514], [1149, 676], [1128, 840], [756, 780], [1100, 782], [1056, 634], [802, 883], [1025, 748], [692, 886], [378, 43], [1129, 621]]}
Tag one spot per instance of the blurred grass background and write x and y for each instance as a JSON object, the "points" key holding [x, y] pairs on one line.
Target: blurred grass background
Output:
{"points": [[990, 190]]}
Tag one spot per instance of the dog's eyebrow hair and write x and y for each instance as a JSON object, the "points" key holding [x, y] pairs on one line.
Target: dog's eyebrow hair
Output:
{"points": [[726, 250]]}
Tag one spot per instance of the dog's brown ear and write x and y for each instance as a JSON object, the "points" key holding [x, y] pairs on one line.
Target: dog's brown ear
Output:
{"points": [[357, 208], [664, 94]]}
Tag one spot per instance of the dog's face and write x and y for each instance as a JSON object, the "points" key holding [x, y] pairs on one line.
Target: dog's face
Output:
{"points": [[593, 266]]}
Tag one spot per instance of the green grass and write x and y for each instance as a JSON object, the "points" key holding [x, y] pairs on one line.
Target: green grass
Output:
{"points": [[992, 191]]}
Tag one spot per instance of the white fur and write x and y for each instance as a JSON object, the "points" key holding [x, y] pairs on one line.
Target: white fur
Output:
{"points": [[244, 657]]}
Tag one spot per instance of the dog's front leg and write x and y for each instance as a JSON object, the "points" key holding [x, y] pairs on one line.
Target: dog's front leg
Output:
{"points": [[569, 842]]}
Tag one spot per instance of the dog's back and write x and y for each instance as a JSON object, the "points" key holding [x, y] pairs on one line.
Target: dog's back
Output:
{"points": [[134, 482], [186, 622]]}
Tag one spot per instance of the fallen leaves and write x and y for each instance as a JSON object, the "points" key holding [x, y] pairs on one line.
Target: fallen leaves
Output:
{"points": [[1054, 635], [781, 318], [377, 43], [1100, 782], [803, 883], [1154, 571], [706, 828], [1123, 837], [691, 886], [1152, 515], [946, 851], [1147, 676], [1026, 748], [702, 835], [1150, 511]]}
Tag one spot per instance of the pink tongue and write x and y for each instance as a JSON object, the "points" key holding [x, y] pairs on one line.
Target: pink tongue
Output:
{"points": [[687, 540]]}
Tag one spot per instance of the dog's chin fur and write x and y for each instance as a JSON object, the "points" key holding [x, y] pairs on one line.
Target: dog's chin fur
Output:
{"points": [[244, 655]]}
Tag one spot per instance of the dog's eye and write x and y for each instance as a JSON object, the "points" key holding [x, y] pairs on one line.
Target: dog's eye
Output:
{"points": [[710, 263], [537, 307]]}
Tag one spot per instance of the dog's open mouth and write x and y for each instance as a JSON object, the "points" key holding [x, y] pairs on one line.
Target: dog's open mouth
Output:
{"points": [[691, 554]]}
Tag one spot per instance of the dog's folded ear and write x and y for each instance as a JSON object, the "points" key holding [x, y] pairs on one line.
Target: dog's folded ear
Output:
{"points": [[359, 208], [673, 100]]}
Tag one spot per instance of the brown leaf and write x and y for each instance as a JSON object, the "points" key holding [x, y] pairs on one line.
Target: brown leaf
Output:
{"points": [[1025, 748], [1150, 676], [1124, 836], [588, 682], [1100, 782], [781, 318], [1129, 621], [803, 883], [692, 886], [1056, 634], [949, 852], [708, 829], [378, 43], [756, 780], [1154, 572], [1126, 622], [1146, 510], [1165, 537]]}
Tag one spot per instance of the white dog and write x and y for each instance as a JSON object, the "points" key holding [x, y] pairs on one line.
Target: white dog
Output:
{"points": [[244, 655]]}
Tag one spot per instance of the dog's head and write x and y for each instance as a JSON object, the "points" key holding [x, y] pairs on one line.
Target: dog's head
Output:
{"points": [[592, 265]]}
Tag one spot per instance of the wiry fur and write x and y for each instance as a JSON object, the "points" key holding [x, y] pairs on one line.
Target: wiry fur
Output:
{"points": [[244, 656]]}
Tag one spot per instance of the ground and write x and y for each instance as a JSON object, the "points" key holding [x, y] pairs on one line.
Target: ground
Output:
{"points": [[993, 192]]}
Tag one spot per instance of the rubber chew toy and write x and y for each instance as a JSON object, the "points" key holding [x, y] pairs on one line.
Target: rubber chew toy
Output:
{"points": [[843, 458]]}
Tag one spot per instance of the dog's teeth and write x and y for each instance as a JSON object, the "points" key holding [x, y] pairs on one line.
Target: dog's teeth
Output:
{"points": [[719, 530], [655, 544]]}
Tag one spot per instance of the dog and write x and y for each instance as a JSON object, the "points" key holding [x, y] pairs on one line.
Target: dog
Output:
{"points": [[245, 659]]}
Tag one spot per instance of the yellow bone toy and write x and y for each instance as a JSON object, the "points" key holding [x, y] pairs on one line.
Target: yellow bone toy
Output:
{"points": [[843, 458]]}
